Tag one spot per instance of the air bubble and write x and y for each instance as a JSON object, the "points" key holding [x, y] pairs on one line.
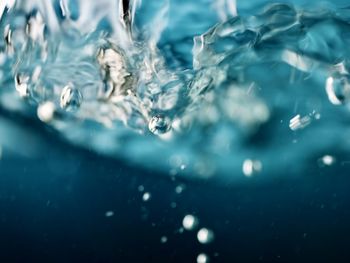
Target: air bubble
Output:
{"points": [[202, 258], [109, 214], [338, 89], [327, 160], [163, 239], [251, 167], [146, 196], [205, 236], [190, 222], [46, 111], [159, 125], [71, 98]]}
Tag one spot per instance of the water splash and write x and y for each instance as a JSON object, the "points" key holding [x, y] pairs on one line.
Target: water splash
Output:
{"points": [[108, 84]]}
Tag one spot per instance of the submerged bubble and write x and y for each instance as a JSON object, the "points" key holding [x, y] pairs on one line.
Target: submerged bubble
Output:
{"points": [[159, 125], [109, 214], [327, 160], [180, 188], [163, 239], [205, 235], [146, 196], [46, 111], [202, 258], [190, 222], [71, 98], [338, 89], [251, 167]]}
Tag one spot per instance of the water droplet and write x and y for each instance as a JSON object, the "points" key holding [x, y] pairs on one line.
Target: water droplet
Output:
{"points": [[159, 125], [109, 213], [202, 258], [205, 236], [46, 111], [251, 167], [146, 196], [338, 89], [71, 98], [163, 239], [190, 222]]}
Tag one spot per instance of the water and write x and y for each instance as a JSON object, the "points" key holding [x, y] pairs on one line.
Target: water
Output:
{"points": [[125, 80], [208, 93]]}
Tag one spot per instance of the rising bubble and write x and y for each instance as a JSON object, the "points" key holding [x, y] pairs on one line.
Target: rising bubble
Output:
{"points": [[205, 235], [202, 258]]}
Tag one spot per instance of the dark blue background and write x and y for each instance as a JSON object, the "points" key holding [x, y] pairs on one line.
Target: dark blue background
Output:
{"points": [[52, 209]]}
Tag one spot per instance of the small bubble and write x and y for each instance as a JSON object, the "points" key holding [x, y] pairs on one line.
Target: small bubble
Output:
{"points": [[163, 239], [180, 188], [46, 111], [109, 214], [71, 98], [338, 89], [146, 196], [190, 222], [327, 160], [141, 188], [173, 205], [159, 125], [202, 258], [251, 167], [205, 236]]}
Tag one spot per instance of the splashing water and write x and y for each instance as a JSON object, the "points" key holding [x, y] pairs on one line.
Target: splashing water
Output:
{"points": [[110, 79]]}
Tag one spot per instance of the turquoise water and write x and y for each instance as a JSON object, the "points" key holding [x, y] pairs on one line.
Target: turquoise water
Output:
{"points": [[200, 101], [238, 105]]}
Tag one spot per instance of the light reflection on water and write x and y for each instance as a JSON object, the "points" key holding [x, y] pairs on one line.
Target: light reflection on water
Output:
{"points": [[245, 97]]}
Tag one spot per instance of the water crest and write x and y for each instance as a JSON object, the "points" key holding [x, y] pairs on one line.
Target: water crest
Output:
{"points": [[242, 97]]}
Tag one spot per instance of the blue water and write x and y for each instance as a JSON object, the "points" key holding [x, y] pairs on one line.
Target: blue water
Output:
{"points": [[114, 127]]}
